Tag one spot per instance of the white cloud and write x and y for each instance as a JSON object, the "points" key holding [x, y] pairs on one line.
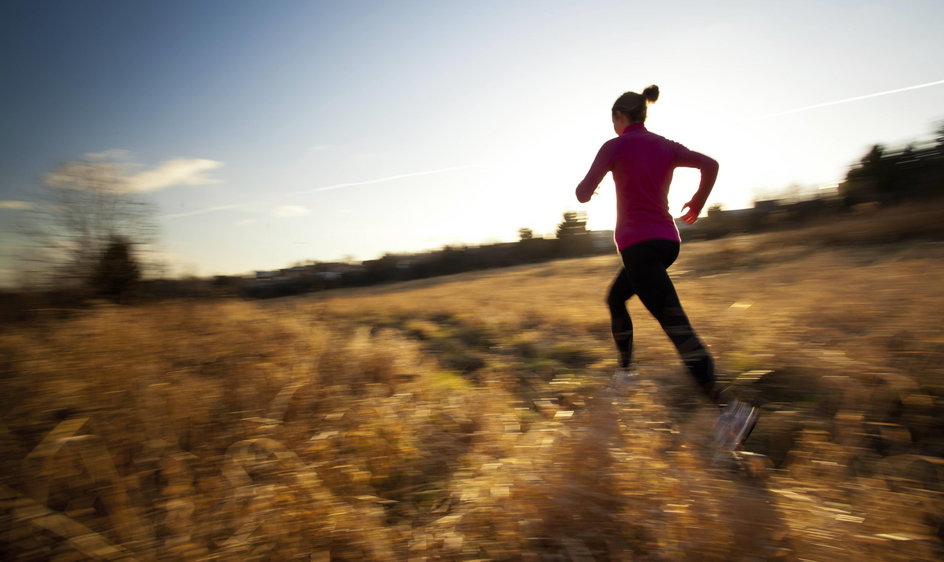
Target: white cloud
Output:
{"points": [[178, 171], [16, 205], [88, 176], [317, 148], [246, 222], [112, 154], [101, 171], [286, 211]]}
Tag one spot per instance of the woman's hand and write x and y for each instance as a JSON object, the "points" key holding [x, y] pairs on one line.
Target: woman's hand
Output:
{"points": [[709, 173], [694, 209]]}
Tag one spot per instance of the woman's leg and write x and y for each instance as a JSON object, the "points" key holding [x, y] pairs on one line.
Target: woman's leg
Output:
{"points": [[646, 264], [621, 324]]}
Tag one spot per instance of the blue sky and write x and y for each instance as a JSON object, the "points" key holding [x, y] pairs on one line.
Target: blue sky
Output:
{"points": [[267, 133]]}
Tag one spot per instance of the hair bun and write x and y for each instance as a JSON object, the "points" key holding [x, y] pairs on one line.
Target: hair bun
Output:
{"points": [[651, 93]]}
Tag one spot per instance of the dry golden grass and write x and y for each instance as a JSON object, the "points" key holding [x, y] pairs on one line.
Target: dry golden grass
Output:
{"points": [[472, 417]]}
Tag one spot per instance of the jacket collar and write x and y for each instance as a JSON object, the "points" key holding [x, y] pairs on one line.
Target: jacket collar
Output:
{"points": [[634, 127]]}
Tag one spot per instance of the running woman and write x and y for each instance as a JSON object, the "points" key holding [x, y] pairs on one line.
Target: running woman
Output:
{"points": [[642, 164]]}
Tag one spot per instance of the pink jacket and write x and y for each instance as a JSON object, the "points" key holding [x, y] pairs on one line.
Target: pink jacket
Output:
{"points": [[642, 164]]}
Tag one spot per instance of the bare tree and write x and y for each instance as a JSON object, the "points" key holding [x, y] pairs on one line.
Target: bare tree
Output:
{"points": [[85, 206]]}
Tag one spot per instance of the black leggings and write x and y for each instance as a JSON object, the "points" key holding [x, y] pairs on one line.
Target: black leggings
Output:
{"points": [[644, 274]]}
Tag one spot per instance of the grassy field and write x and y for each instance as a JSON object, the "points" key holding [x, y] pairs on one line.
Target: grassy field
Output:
{"points": [[472, 417]]}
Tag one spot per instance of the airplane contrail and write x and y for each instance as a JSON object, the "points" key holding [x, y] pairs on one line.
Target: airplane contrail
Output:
{"points": [[377, 180], [856, 98], [204, 211], [318, 190]]}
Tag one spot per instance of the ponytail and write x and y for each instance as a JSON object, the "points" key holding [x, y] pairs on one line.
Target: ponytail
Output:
{"points": [[633, 105], [651, 93]]}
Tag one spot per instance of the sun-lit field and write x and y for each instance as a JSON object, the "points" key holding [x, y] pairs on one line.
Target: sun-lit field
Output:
{"points": [[472, 417]]}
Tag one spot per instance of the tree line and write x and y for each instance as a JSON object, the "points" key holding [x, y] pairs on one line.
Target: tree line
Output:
{"points": [[572, 239], [891, 176], [882, 177]]}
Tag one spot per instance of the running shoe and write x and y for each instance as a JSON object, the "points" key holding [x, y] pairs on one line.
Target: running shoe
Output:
{"points": [[734, 425], [624, 378]]}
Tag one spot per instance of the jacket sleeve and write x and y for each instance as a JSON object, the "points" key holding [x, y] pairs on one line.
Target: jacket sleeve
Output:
{"points": [[599, 168], [685, 158]]}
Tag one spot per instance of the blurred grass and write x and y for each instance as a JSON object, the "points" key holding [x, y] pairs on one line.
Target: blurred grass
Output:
{"points": [[471, 418]]}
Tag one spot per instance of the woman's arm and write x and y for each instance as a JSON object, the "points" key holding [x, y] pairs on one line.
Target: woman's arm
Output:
{"points": [[599, 168], [709, 173]]}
